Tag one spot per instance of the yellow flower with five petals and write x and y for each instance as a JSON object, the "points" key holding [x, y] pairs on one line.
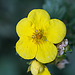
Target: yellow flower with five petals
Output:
{"points": [[38, 35]]}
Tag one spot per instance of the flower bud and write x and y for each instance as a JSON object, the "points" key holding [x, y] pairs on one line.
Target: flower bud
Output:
{"points": [[36, 67], [61, 47], [66, 42], [62, 63]]}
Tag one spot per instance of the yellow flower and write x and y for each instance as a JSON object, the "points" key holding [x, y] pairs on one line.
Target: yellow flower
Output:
{"points": [[37, 68], [38, 34]]}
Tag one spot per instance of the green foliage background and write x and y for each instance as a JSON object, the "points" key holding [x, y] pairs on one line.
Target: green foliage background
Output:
{"points": [[11, 11]]}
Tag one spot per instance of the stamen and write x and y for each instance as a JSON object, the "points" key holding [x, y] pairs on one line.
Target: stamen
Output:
{"points": [[38, 36]]}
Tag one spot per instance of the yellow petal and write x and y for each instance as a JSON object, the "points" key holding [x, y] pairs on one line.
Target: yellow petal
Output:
{"points": [[24, 28], [40, 18], [46, 52], [26, 48], [45, 72], [56, 31]]}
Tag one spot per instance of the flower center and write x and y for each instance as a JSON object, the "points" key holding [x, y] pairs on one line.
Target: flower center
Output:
{"points": [[38, 36]]}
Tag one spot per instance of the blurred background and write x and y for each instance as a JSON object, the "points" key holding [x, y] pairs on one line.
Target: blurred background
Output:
{"points": [[11, 11]]}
